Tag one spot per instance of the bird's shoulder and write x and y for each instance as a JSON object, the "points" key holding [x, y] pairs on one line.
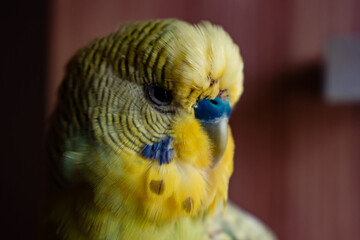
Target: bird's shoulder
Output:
{"points": [[236, 224]]}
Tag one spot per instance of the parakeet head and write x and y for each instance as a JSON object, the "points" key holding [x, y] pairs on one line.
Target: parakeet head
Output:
{"points": [[142, 118]]}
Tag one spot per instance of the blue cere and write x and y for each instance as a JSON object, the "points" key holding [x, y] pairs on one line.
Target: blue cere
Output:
{"points": [[212, 109], [160, 151]]}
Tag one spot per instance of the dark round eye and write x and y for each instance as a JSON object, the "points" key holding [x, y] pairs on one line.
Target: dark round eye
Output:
{"points": [[159, 95]]}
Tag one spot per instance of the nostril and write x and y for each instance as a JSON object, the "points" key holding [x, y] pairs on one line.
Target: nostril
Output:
{"points": [[212, 109], [213, 101]]}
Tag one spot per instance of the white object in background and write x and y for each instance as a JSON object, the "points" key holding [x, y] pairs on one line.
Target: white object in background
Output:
{"points": [[342, 69]]}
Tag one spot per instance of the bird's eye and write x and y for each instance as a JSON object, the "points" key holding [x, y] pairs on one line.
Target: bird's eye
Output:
{"points": [[159, 95]]}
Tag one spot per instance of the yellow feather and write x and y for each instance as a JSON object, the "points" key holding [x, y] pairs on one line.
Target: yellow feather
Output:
{"points": [[104, 118]]}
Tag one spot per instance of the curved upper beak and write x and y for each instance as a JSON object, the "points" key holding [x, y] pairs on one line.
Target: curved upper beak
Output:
{"points": [[213, 115]]}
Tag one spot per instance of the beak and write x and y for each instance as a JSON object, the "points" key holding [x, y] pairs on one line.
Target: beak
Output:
{"points": [[213, 115]]}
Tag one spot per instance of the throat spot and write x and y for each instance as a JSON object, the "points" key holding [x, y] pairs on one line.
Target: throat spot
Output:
{"points": [[161, 151]]}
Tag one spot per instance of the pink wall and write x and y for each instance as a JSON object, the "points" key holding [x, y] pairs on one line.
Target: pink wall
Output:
{"points": [[297, 157]]}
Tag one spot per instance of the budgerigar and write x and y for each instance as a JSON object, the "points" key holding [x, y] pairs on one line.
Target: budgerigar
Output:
{"points": [[139, 145]]}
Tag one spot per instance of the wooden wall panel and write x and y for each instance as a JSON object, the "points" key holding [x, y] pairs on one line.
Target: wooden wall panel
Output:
{"points": [[297, 160]]}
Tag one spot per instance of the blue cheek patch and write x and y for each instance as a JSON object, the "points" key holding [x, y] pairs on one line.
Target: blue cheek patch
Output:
{"points": [[160, 151], [209, 110]]}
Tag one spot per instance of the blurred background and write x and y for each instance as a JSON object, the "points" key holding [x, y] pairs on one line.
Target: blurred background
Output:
{"points": [[297, 126]]}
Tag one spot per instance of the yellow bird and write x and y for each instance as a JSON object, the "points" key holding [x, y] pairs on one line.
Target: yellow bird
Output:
{"points": [[139, 145]]}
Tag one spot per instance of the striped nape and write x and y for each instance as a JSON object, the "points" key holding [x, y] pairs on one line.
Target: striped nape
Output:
{"points": [[138, 52], [97, 97]]}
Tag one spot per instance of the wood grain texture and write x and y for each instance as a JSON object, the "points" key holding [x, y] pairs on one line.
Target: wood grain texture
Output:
{"points": [[297, 161]]}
